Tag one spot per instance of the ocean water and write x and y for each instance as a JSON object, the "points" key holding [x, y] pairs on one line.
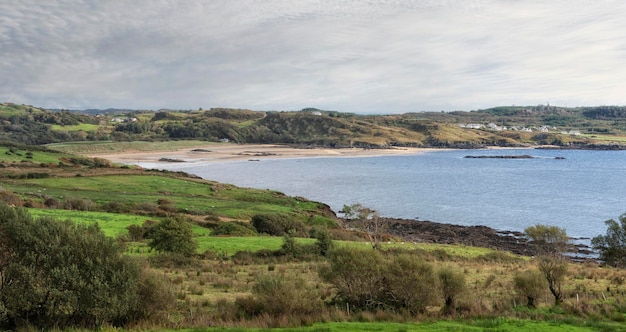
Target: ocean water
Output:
{"points": [[577, 193]]}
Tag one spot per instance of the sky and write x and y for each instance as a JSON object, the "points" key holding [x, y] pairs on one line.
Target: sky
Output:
{"points": [[369, 57]]}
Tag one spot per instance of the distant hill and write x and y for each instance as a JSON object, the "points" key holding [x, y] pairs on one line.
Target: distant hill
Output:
{"points": [[499, 126]]}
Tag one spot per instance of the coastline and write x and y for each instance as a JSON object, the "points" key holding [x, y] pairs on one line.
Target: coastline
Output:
{"points": [[407, 230], [225, 152]]}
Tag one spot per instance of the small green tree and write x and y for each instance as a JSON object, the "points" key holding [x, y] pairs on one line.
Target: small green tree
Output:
{"points": [[367, 221], [530, 284], [324, 242], [452, 285], [550, 240], [173, 235], [612, 246], [554, 269]]}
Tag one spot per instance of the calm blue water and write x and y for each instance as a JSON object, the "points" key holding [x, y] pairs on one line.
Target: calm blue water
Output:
{"points": [[578, 193]]}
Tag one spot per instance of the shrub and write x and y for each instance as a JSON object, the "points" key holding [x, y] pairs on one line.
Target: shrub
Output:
{"points": [[278, 225], [324, 242], [452, 285], [173, 235], [234, 228], [279, 296], [60, 274], [356, 275], [10, 198], [166, 205], [80, 204], [409, 284], [138, 233], [530, 284]]}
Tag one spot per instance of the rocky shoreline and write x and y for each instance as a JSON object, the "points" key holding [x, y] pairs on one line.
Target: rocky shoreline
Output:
{"points": [[477, 236]]}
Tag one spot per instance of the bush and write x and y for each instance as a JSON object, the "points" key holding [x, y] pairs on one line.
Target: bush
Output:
{"points": [[410, 283], [530, 284], [80, 204], [324, 242], [356, 275], [278, 225], [234, 228], [452, 285], [278, 296], [173, 235], [60, 274], [368, 280], [138, 233]]}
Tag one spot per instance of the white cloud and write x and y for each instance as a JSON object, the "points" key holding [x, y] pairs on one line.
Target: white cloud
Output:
{"points": [[374, 57]]}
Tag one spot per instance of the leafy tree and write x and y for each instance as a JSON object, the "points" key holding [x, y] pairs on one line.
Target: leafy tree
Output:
{"points": [[173, 235], [612, 246], [530, 284], [452, 285], [554, 269], [324, 242], [367, 221], [60, 274], [551, 240]]}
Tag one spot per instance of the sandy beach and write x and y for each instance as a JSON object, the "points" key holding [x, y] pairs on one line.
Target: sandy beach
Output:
{"points": [[237, 152]]}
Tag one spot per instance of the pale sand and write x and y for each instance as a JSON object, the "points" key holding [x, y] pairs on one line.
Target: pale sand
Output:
{"points": [[237, 152]]}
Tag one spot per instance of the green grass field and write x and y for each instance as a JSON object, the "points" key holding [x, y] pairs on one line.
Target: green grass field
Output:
{"points": [[112, 147], [185, 194], [499, 325], [78, 127]]}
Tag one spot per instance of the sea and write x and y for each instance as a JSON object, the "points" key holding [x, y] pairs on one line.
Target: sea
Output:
{"points": [[577, 190]]}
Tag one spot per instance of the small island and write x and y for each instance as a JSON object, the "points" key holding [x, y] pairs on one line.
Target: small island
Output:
{"points": [[524, 156]]}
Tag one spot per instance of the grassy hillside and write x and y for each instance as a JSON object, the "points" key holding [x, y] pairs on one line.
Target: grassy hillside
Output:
{"points": [[221, 285], [239, 280], [499, 126]]}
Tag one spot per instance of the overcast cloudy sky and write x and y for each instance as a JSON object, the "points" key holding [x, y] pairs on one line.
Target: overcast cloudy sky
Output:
{"points": [[353, 56]]}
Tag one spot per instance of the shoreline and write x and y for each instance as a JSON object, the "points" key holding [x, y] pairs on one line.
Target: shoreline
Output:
{"points": [[407, 230], [228, 152]]}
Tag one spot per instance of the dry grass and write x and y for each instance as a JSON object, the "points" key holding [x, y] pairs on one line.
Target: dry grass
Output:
{"points": [[207, 292]]}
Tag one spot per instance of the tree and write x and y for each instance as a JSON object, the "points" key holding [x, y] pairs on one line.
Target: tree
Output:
{"points": [[550, 240], [367, 221], [452, 285], [173, 235], [554, 269], [59, 274], [612, 246], [530, 284], [324, 242]]}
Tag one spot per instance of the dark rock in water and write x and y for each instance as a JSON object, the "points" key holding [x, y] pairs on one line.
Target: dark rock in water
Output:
{"points": [[172, 160], [525, 156]]}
